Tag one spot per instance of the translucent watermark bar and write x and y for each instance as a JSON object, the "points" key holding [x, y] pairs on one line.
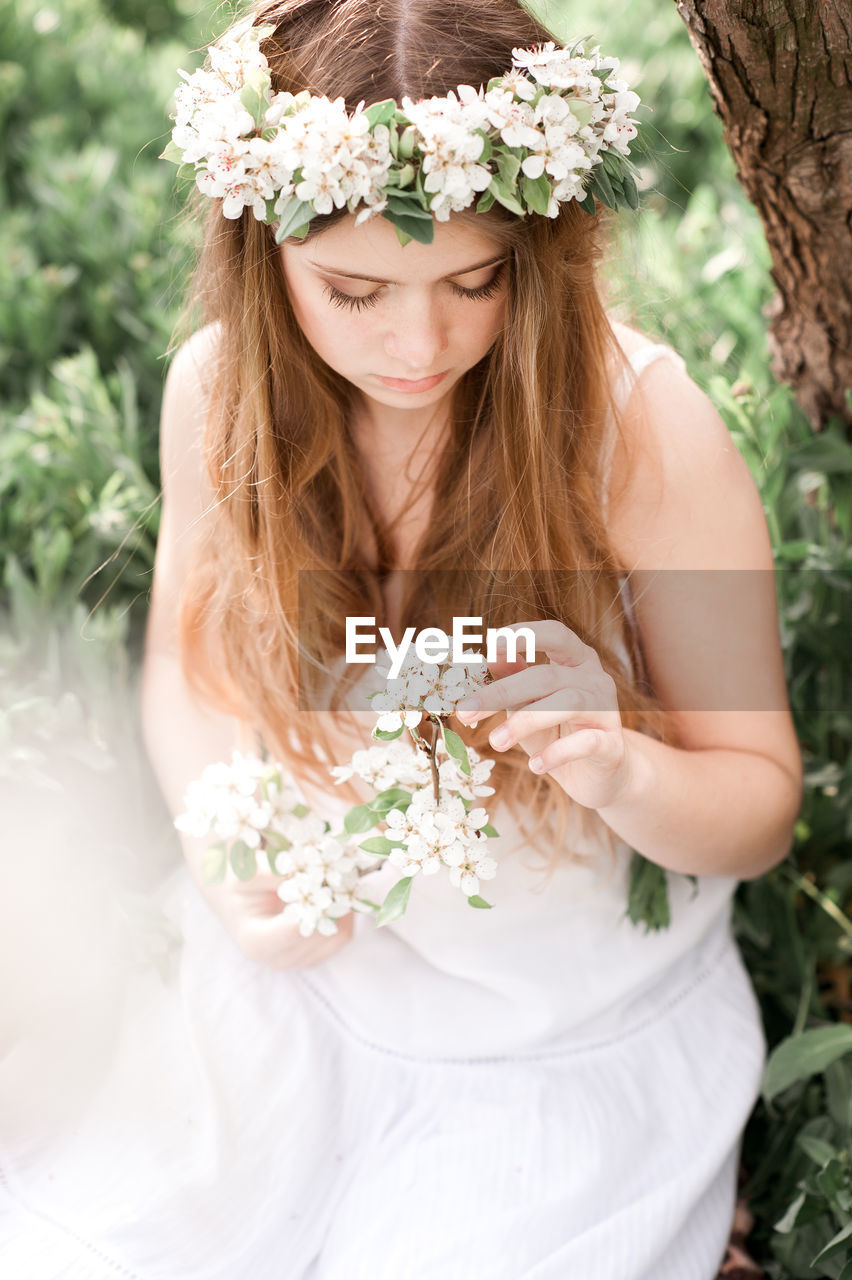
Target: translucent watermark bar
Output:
{"points": [[701, 640]]}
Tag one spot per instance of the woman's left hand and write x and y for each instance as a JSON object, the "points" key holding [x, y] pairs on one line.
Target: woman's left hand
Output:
{"points": [[563, 713]]}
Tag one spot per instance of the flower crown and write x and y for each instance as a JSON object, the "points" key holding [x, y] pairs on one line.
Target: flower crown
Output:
{"points": [[556, 127]]}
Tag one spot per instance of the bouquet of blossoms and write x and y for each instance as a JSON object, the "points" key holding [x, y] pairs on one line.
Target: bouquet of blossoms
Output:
{"points": [[425, 802]]}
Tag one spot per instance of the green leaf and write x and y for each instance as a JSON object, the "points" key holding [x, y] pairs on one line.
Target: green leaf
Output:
{"points": [[818, 1150], [408, 202], [172, 152], [613, 162], [275, 843], [475, 901], [602, 187], [361, 818], [254, 100], [537, 193], [395, 903], [392, 798], [379, 845], [300, 810], [648, 894], [588, 204], [502, 194], [243, 860], [485, 201], [824, 453], [214, 864], [799, 1057], [407, 142], [415, 196], [835, 1245], [508, 167], [456, 748], [581, 111], [488, 830], [412, 226], [487, 147], [631, 191], [788, 1221], [295, 218], [381, 112], [388, 735]]}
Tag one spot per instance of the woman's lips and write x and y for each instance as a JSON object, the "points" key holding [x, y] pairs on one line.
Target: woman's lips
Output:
{"points": [[419, 384]]}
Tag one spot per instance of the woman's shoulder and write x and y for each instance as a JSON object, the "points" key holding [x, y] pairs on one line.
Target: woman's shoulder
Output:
{"points": [[185, 485], [671, 456], [194, 359]]}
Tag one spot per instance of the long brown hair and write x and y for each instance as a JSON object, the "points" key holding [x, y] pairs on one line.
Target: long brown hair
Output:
{"points": [[517, 533]]}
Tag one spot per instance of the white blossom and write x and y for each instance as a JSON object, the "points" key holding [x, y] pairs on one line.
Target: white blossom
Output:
{"points": [[441, 832], [451, 147]]}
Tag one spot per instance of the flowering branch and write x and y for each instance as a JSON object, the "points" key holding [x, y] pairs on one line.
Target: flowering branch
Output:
{"points": [[424, 805]]}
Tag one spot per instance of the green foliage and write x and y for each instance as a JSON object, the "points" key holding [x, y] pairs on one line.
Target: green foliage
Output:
{"points": [[78, 514], [91, 250]]}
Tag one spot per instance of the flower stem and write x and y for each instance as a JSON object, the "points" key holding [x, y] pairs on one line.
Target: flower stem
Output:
{"points": [[433, 762]]}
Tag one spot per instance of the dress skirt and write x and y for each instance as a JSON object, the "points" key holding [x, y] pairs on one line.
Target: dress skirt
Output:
{"points": [[245, 1131]]}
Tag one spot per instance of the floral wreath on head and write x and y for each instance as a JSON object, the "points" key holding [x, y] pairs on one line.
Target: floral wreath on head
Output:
{"points": [[556, 127]]}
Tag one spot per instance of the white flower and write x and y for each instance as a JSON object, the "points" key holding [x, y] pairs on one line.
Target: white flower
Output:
{"points": [[388, 764], [450, 147], [556, 69], [514, 120], [426, 686], [619, 129], [520, 85], [441, 832], [467, 873], [225, 801]]}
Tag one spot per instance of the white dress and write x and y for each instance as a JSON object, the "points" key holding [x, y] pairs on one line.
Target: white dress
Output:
{"points": [[542, 1091]]}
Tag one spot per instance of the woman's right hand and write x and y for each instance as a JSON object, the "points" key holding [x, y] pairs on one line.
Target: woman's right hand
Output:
{"points": [[251, 911]]}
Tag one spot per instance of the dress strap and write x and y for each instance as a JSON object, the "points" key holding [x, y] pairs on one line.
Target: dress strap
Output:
{"points": [[638, 362]]}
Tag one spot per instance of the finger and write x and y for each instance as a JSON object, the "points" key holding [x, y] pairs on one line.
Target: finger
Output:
{"points": [[559, 642], [514, 690], [579, 745], [560, 709]]}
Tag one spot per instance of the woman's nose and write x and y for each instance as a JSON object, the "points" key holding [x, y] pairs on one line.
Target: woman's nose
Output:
{"points": [[417, 339]]}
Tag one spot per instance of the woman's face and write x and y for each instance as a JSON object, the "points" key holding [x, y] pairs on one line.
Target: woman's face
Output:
{"points": [[401, 324]]}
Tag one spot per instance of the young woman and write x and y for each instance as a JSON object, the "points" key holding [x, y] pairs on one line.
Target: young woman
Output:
{"points": [[540, 1090]]}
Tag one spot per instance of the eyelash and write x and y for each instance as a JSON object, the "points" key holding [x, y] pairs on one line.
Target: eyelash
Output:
{"points": [[355, 303]]}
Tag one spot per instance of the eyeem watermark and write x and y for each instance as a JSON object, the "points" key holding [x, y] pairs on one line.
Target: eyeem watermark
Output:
{"points": [[434, 645]]}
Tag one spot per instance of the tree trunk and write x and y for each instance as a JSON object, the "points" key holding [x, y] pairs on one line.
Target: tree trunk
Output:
{"points": [[780, 73]]}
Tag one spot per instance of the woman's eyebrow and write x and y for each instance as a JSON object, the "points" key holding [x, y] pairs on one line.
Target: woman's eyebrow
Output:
{"points": [[350, 275]]}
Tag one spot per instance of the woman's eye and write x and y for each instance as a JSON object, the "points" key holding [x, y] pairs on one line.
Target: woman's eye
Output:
{"points": [[360, 302], [353, 301], [484, 290]]}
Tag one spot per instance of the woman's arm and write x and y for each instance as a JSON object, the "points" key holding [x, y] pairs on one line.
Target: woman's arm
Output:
{"points": [[182, 734], [689, 523]]}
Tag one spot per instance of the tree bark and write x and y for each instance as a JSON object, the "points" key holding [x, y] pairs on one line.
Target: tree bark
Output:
{"points": [[780, 73]]}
